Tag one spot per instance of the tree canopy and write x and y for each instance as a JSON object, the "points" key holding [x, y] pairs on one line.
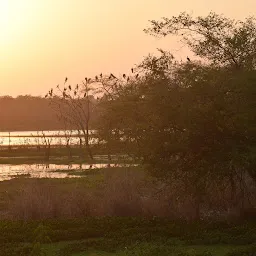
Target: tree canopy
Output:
{"points": [[191, 122], [194, 121], [219, 40]]}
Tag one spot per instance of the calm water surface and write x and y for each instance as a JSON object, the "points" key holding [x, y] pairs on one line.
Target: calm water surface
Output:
{"points": [[37, 138], [8, 172]]}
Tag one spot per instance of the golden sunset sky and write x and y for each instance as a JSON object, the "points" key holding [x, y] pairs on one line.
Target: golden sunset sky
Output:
{"points": [[43, 41]]}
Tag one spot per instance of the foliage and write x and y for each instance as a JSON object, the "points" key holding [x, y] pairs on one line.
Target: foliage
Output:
{"points": [[250, 251], [193, 122], [220, 40]]}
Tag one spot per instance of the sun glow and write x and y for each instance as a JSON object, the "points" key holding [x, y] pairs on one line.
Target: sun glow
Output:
{"points": [[18, 19], [4, 20]]}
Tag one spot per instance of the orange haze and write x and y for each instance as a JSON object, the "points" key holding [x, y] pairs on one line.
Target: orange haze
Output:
{"points": [[42, 41]]}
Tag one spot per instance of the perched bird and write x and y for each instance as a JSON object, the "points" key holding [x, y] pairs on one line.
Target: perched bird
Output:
{"points": [[46, 96], [101, 75], [77, 86], [84, 95], [75, 92], [65, 89], [124, 75], [69, 87], [96, 78], [112, 76], [188, 59], [132, 70], [66, 79], [137, 76]]}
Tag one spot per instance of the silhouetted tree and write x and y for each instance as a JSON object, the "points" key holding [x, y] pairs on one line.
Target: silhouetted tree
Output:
{"points": [[219, 40], [194, 121], [74, 107]]}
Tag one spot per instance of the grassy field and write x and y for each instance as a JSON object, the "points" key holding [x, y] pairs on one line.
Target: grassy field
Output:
{"points": [[84, 234], [127, 236], [106, 212]]}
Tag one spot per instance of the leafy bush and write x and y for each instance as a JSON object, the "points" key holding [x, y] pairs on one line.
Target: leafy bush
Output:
{"points": [[249, 251]]}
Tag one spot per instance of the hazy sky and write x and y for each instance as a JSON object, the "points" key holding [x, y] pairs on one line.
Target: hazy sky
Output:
{"points": [[43, 41]]}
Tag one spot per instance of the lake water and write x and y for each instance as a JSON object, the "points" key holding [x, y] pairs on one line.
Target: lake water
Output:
{"points": [[8, 172], [38, 137]]}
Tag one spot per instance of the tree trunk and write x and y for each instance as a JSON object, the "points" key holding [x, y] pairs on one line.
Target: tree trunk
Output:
{"points": [[87, 142], [198, 201], [81, 153], [89, 150], [47, 152], [198, 207], [108, 149], [69, 152], [233, 189]]}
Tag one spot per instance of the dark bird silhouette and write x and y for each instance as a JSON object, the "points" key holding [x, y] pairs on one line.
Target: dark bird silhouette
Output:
{"points": [[75, 92], [101, 75], [77, 86], [86, 79], [65, 89], [124, 75], [96, 78], [132, 70], [46, 96], [84, 95], [69, 87], [66, 79], [137, 76], [112, 76], [188, 59]]}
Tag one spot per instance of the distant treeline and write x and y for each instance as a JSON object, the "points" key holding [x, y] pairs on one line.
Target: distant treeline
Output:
{"points": [[25, 113]]}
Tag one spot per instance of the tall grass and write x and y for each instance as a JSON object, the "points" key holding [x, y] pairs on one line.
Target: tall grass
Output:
{"points": [[122, 192]]}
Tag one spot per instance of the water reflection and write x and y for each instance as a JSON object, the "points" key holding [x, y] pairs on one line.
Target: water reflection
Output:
{"points": [[8, 172], [32, 138]]}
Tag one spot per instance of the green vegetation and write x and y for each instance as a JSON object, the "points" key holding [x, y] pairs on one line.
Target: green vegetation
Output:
{"points": [[127, 236], [54, 232], [190, 127]]}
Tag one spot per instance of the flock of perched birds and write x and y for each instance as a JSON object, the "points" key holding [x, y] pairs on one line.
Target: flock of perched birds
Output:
{"points": [[97, 79]]}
